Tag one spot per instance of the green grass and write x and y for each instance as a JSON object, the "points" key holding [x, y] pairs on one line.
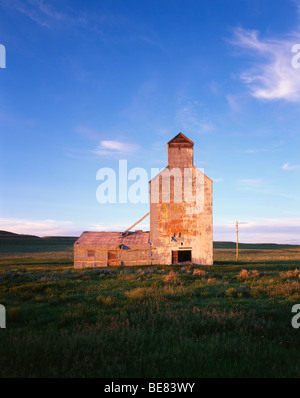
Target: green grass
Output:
{"points": [[153, 321]]}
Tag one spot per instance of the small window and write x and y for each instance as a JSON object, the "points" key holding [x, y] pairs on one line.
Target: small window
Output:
{"points": [[91, 254]]}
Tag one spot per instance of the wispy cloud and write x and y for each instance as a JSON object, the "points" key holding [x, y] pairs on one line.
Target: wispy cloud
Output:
{"points": [[51, 14], [250, 184], [115, 147], [39, 227], [37, 10], [285, 230], [256, 150], [272, 77], [297, 5], [275, 230], [258, 185], [116, 227], [234, 102], [141, 105], [288, 167], [87, 132], [190, 116]]}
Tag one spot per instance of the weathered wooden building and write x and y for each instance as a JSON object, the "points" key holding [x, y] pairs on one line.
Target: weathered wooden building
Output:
{"points": [[181, 223], [101, 249]]}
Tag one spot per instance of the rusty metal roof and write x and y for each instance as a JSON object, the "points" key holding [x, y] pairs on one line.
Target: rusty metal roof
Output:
{"points": [[180, 139], [113, 238]]}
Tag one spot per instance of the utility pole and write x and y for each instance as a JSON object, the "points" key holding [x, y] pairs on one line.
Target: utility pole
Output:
{"points": [[237, 241]]}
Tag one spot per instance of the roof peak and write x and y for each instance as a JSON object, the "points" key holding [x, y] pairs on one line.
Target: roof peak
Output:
{"points": [[180, 139]]}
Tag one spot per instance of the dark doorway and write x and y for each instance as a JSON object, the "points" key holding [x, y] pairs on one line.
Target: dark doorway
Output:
{"points": [[184, 256], [181, 256]]}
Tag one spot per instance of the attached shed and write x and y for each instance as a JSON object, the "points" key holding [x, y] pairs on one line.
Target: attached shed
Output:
{"points": [[101, 249]]}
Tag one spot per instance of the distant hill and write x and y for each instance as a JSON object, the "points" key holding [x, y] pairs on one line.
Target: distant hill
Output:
{"points": [[63, 240], [253, 246], [8, 238], [11, 238], [12, 235]]}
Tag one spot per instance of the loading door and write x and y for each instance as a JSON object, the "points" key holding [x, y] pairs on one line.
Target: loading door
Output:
{"points": [[175, 257], [112, 258]]}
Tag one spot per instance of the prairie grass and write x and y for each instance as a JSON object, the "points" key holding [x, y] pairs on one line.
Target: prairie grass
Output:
{"points": [[201, 272], [172, 277], [227, 320]]}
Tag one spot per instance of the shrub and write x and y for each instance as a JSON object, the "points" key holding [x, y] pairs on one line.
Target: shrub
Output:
{"points": [[231, 292], [290, 274], [244, 274]]}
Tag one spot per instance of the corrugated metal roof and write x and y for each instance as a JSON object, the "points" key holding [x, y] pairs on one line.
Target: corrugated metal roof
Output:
{"points": [[113, 238]]}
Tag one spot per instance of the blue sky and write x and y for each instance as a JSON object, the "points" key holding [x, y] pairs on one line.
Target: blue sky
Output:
{"points": [[89, 83]]}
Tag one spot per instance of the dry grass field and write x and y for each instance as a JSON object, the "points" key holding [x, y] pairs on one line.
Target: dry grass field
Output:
{"points": [[228, 320]]}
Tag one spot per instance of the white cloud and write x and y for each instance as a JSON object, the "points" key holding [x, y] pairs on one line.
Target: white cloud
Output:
{"points": [[288, 167], [115, 147], [273, 76], [59, 228], [281, 230], [284, 230], [119, 146]]}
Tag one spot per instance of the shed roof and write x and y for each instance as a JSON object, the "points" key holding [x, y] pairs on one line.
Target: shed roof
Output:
{"points": [[113, 238]]}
